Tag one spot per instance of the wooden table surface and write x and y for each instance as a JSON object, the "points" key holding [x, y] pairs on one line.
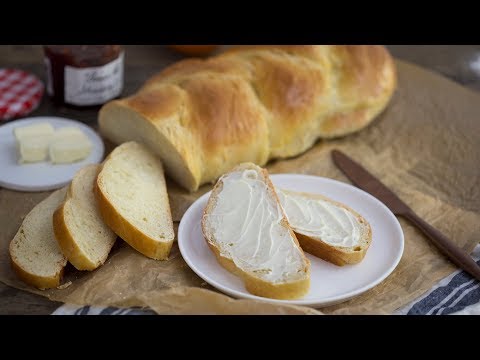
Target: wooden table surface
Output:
{"points": [[461, 63]]}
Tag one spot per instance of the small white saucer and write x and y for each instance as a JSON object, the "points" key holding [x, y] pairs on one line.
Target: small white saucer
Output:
{"points": [[329, 284], [41, 176]]}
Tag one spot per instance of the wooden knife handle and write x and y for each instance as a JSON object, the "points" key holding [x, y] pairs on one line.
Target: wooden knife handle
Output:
{"points": [[452, 251]]}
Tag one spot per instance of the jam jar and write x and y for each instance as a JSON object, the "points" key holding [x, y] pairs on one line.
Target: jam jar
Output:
{"points": [[84, 75]]}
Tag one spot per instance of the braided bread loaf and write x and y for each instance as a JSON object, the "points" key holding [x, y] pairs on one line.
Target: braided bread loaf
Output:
{"points": [[256, 103]]}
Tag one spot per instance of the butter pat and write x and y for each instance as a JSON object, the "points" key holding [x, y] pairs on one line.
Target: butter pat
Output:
{"points": [[39, 141], [39, 129], [33, 142], [68, 145], [67, 131], [33, 149]]}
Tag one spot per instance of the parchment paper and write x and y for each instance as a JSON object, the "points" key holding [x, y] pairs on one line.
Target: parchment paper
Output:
{"points": [[425, 147]]}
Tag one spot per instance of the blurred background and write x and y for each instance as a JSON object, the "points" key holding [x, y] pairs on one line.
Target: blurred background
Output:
{"points": [[460, 63]]}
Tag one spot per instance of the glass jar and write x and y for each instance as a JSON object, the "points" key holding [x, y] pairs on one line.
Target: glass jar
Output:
{"points": [[84, 75]]}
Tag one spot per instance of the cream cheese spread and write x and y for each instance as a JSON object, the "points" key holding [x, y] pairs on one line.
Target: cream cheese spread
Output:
{"points": [[247, 223], [320, 219]]}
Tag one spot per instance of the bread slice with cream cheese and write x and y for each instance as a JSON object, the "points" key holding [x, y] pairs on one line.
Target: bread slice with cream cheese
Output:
{"points": [[326, 228], [248, 232]]}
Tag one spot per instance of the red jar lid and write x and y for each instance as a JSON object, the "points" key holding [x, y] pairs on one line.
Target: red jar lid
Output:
{"points": [[20, 93]]}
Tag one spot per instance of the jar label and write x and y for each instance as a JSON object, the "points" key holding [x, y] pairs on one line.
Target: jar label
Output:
{"points": [[94, 85]]}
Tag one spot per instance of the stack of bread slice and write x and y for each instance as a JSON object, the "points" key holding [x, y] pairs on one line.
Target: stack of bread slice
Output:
{"points": [[124, 196], [256, 231]]}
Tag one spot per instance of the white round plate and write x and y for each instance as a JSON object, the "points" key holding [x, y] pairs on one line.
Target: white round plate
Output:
{"points": [[329, 284], [41, 176]]}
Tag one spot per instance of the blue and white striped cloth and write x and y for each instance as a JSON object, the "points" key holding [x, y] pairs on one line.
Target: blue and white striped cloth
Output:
{"points": [[458, 293]]}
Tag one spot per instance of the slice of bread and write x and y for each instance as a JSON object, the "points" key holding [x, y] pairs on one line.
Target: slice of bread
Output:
{"points": [[246, 228], [326, 228], [79, 229], [133, 200], [35, 254]]}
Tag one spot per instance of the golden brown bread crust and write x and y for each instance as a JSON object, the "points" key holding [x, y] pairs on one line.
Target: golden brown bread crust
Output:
{"points": [[330, 253], [255, 285], [40, 282], [258, 103], [159, 103]]}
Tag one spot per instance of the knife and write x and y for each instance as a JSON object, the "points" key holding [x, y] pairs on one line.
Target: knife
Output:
{"points": [[367, 182]]}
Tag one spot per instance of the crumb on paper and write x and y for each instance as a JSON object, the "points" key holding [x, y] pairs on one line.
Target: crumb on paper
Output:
{"points": [[64, 286]]}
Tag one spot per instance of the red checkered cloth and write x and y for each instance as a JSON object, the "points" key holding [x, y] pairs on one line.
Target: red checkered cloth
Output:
{"points": [[20, 93]]}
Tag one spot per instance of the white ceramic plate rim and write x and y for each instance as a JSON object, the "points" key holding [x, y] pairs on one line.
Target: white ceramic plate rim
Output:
{"points": [[182, 234], [95, 157]]}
